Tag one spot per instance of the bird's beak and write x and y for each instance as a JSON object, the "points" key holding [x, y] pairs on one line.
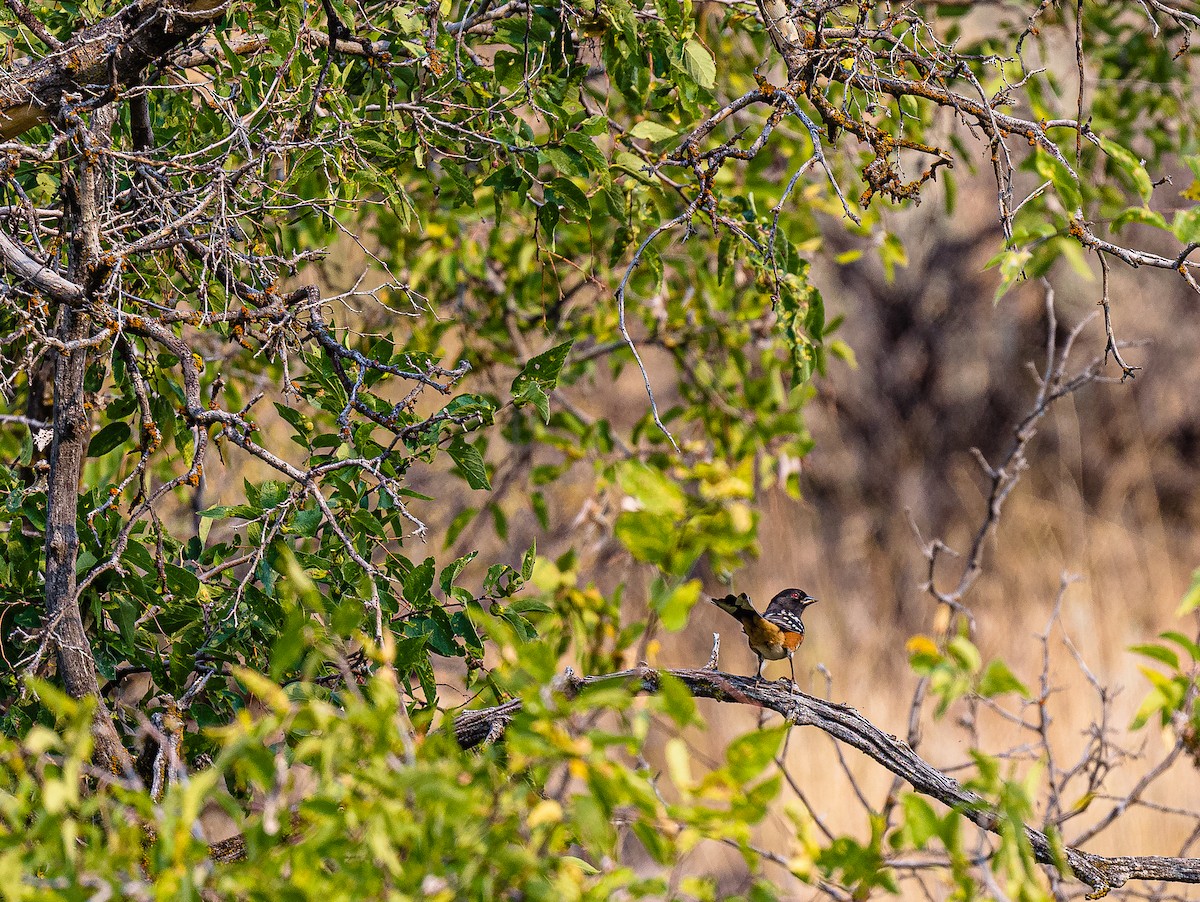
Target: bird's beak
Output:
{"points": [[809, 601]]}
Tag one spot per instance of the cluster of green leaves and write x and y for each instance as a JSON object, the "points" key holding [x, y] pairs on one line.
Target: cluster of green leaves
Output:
{"points": [[523, 223], [1137, 127], [1015, 799], [1172, 694], [395, 808], [955, 670], [1172, 699]]}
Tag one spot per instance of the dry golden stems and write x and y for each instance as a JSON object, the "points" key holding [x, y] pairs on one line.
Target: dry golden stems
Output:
{"points": [[1054, 383]]}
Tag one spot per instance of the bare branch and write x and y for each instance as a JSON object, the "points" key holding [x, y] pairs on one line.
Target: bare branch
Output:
{"points": [[38, 276]]}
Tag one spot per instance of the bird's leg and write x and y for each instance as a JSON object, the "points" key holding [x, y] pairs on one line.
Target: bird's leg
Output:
{"points": [[761, 662], [792, 665]]}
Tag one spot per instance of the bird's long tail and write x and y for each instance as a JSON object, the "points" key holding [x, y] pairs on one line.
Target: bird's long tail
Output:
{"points": [[737, 606]]}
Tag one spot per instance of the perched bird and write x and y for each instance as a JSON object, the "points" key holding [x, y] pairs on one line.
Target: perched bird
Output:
{"points": [[777, 632]]}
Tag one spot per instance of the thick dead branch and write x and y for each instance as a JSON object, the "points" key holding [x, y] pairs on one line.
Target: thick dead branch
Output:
{"points": [[17, 261], [101, 59], [843, 723]]}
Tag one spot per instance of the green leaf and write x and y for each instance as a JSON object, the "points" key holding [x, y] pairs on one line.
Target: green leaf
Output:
{"points": [[677, 701], [184, 584], [749, 755], [573, 197], [1130, 165], [26, 456], [1059, 175], [965, 654], [1172, 689], [495, 574], [1183, 642], [410, 650], [460, 522], [126, 614], [295, 418], [543, 369], [110, 437], [524, 629], [264, 688], [307, 521], [450, 574], [528, 561], [921, 822], [651, 488], [418, 585], [539, 377], [636, 167], [997, 679], [271, 494], [801, 316], [425, 675], [530, 606], [1186, 225], [651, 131], [587, 149], [1012, 264], [1159, 653], [698, 63], [470, 462], [1191, 599], [892, 254], [923, 655], [860, 866], [548, 216], [1141, 215], [465, 629], [1151, 704], [649, 537], [674, 605], [534, 394], [438, 627], [587, 868]]}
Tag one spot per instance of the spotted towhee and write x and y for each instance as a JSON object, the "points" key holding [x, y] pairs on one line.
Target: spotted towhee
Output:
{"points": [[775, 633]]}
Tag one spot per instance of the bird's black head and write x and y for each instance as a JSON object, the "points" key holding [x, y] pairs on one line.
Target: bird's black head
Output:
{"points": [[794, 596]]}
